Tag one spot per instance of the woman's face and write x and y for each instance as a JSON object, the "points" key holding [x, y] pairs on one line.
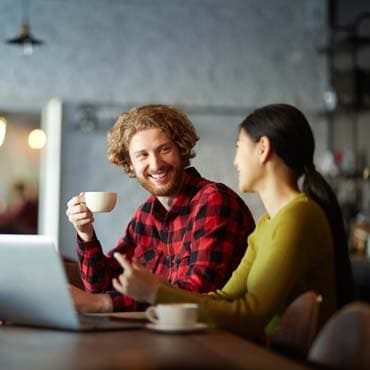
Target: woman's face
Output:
{"points": [[247, 162]]}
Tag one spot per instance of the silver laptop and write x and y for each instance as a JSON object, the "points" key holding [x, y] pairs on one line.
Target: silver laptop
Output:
{"points": [[34, 289]]}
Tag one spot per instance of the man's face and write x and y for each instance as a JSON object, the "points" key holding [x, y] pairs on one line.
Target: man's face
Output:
{"points": [[156, 162]]}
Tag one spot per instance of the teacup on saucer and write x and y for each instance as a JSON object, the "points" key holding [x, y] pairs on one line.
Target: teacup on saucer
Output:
{"points": [[177, 316]]}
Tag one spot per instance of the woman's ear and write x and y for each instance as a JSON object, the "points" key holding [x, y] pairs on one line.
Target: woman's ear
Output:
{"points": [[264, 148]]}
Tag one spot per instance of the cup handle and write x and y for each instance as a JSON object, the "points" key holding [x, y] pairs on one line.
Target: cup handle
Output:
{"points": [[151, 314]]}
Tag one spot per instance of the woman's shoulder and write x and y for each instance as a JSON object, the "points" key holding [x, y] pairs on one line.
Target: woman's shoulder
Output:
{"points": [[302, 210], [303, 205], [301, 213]]}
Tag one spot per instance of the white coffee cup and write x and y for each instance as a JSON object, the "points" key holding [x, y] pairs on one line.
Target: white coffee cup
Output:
{"points": [[174, 315], [100, 201]]}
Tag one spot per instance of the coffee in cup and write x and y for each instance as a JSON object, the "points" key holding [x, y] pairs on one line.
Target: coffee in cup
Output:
{"points": [[100, 201], [174, 315]]}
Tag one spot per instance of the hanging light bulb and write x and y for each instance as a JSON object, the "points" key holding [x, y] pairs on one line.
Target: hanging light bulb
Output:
{"points": [[36, 139], [2, 129], [25, 39]]}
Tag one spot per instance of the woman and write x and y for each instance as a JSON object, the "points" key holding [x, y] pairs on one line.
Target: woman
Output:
{"points": [[298, 245]]}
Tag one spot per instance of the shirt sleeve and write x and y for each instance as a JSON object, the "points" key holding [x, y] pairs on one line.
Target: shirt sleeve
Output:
{"points": [[220, 224], [97, 269]]}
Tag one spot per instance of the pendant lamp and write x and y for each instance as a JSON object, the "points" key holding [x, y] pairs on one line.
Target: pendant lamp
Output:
{"points": [[25, 39]]}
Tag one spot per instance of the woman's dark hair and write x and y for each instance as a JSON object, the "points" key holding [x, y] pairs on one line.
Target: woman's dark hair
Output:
{"points": [[292, 140]]}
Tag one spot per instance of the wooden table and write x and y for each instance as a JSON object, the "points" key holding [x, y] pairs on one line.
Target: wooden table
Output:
{"points": [[23, 348]]}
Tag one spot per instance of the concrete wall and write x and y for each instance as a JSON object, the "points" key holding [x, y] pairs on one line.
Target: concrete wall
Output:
{"points": [[235, 52]]}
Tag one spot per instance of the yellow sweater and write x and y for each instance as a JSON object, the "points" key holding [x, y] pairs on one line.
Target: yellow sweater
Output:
{"points": [[286, 255]]}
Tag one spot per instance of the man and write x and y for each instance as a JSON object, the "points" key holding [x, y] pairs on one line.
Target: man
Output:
{"points": [[190, 231]]}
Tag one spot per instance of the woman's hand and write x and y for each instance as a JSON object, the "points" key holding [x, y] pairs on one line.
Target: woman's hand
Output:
{"points": [[136, 281]]}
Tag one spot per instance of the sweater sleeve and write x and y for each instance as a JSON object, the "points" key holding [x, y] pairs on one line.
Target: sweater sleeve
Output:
{"points": [[257, 289]]}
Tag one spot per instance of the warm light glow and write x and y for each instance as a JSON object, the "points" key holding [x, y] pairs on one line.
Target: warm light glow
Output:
{"points": [[2, 129], [36, 139], [27, 49]]}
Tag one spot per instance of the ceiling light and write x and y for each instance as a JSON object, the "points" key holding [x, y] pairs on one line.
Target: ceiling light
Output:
{"points": [[37, 139], [25, 38]]}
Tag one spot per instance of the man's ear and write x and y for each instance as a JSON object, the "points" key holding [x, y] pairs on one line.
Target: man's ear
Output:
{"points": [[129, 163], [264, 148]]}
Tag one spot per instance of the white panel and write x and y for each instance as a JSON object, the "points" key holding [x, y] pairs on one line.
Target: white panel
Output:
{"points": [[51, 123]]}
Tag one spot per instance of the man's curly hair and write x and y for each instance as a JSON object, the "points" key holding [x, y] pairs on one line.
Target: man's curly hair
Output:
{"points": [[170, 120]]}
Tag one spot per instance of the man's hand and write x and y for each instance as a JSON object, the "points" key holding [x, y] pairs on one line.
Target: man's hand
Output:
{"points": [[80, 217], [136, 281], [90, 303]]}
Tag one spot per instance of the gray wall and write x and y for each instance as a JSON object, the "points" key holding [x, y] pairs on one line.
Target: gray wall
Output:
{"points": [[205, 55], [212, 52]]}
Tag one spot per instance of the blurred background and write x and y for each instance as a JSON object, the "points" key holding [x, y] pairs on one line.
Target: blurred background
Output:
{"points": [[69, 67]]}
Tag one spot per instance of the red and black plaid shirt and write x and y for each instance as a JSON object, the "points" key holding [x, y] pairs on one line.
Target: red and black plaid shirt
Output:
{"points": [[195, 245]]}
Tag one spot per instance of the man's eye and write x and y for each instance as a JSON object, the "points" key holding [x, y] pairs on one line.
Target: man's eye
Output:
{"points": [[165, 149]]}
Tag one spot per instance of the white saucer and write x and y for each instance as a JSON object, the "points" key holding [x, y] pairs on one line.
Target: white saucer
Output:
{"points": [[165, 329]]}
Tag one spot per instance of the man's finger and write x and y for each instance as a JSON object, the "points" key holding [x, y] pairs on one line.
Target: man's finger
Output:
{"points": [[116, 282], [117, 285], [122, 260], [73, 201], [136, 265]]}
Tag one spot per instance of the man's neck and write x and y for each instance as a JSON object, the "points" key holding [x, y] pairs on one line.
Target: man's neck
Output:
{"points": [[167, 202]]}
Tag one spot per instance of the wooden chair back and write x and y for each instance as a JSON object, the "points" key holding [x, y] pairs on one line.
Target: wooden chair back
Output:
{"points": [[298, 326], [344, 341], [72, 270]]}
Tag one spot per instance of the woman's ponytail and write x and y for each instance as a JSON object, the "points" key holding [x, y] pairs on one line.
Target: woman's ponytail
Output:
{"points": [[317, 188]]}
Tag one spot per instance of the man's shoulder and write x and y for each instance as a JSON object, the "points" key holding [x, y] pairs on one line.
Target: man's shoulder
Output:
{"points": [[206, 185], [212, 189], [146, 206]]}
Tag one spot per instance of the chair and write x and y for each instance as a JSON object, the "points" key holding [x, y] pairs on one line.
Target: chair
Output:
{"points": [[344, 342], [73, 273], [298, 326]]}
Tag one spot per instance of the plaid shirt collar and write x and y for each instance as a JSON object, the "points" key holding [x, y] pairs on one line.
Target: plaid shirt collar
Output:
{"points": [[181, 204]]}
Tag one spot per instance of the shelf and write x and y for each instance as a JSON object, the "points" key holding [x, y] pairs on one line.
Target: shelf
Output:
{"points": [[352, 87], [343, 110], [346, 44], [343, 176]]}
